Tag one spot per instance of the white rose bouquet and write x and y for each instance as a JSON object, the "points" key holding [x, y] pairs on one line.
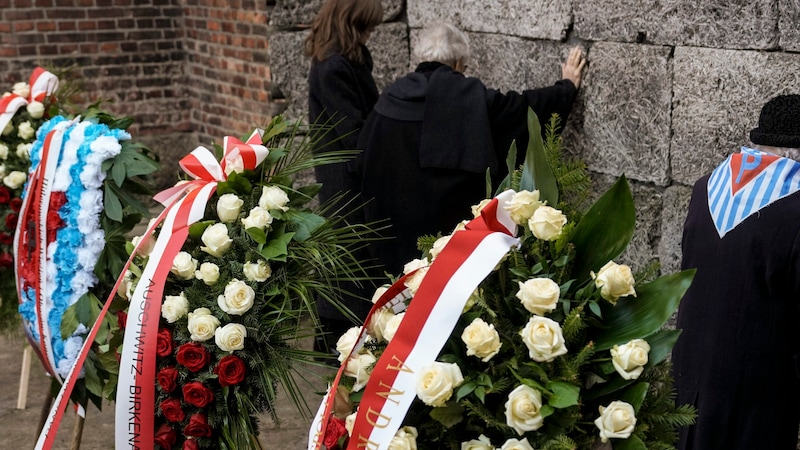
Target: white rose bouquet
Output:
{"points": [[559, 347]]}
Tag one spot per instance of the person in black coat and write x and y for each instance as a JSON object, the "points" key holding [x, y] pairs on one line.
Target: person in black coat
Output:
{"points": [[434, 133], [341, 93], [737, 359]]}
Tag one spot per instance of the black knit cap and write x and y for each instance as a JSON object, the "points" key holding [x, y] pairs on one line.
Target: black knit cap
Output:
{"points": [[779, 123]]}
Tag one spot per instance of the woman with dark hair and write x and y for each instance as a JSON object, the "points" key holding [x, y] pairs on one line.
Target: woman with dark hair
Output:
{"points": [[341, 92]]}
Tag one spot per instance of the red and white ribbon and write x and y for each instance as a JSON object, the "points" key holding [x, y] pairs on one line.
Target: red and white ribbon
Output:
{"points": [[42, 83], [184, 205], [466, 260]]}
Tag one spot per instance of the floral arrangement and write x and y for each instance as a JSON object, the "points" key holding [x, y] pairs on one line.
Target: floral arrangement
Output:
{"points": [[559, 347], [241, 290]]}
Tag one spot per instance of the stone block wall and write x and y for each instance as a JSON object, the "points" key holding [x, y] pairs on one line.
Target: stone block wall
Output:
{"points": [[671, 87]]}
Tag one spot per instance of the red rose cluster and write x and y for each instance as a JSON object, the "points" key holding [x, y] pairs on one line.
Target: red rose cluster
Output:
{"points": [[10, 205]]}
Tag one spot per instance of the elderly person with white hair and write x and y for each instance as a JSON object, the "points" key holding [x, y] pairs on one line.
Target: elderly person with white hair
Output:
{"points": [[434, 133]]}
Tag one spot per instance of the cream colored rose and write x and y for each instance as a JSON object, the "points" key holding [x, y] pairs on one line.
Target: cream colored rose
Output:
{"points": [[216, 239], [350, 423], [439, 245], [15, 179], [346, 342], [476, 209], [379, 292], [3, 151], [22, 89], [614, 281], [258, 218], [202, 324], [616, 420], [360, 367], [208, 273], [273, 197], [259, 271], [546, 223], [184, 266], [522, 205], [2, 170], [404, 439], [234, 163], [390, 330], [460, 226], [523, 409], [539, 295], [436, 382], [414, 281], [482, 339], [147, 246], [543, 338], [482, 443], [25, 130], [228, 207], [378, 321], [629, 359], [174, 307], [230, 337], [35, 109], [24, 150], [237, 298], [515, 444], [8, 129]]}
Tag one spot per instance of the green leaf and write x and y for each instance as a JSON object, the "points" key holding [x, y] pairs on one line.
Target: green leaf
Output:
{"points": [[305, 224], [111, 204], [536, 171], [632, 443], [643, 315], [635, 395], [605, 230], [257, 234], [564, 394], [661, 344], [278, 247], [449, 414]]}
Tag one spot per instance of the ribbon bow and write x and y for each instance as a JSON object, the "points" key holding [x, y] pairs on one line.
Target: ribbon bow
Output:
{"points": [[42, 83]]}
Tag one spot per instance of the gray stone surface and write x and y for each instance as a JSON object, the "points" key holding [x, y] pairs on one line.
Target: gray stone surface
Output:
{"points": [[717, 97], [787, 24], [675, 202], [541, 19], [743, 24], [628, 90], [294, 13]]}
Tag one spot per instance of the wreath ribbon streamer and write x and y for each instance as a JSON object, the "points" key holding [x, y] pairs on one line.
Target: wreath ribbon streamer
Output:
{"points": [[184, 205], [468, 257], [42, 83]]}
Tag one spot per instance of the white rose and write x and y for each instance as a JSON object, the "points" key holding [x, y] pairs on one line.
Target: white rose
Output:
{"points": [[546, 223], [392, 325], [414, 281], [482, 339], [543, 338], [3, 151], [2, 170], [124, 289], [273, 197], [15, 179], [202, 324], [174, 307], [539, 295], [461, 226], [439, 245], [482, 443], [184, 266], [614, 281], [237, 299], [25, 130], [379, 292], [230, 337], [476, 209], [22, 89], [258, 218], [8, 129], [629, 359], [378, 321], [617, 420], [258, 271], [522, 205], [147, 246], [35, 109], [360, 367], [216, 239], [228, 207], [234, 164], [523, 409], [346, 342], [24, 151], [350, 423], [514, 444], [436, 382], [208, 273], [404, 439]]}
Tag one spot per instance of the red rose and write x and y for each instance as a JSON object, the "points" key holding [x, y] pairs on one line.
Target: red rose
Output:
{"points": [[164, 343], [195, 393], [165, 437], [335, 431], [5, 238], [11, 222], [191, 444], [230, 370], [172, 410], [15, 204], [194, 356], [167, 378], [6, 260], [198, 426], [5, 195], [122, 319]]}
